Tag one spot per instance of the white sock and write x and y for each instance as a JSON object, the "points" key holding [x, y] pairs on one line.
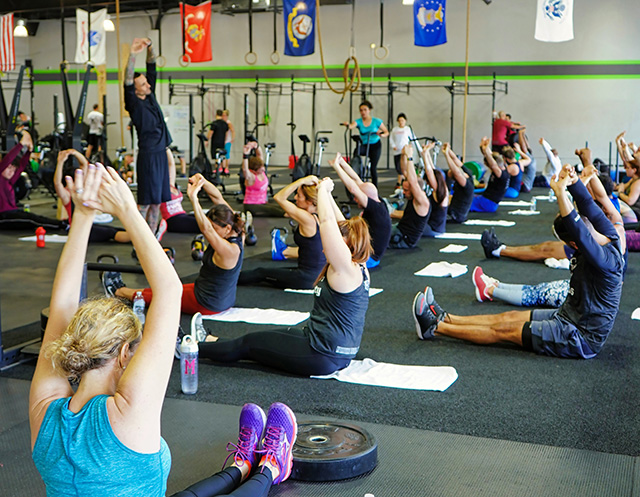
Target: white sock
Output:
{"points": [[496, 252]]}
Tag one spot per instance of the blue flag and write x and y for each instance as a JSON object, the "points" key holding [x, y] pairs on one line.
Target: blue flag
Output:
{"points": [[429, 22], [299, 27]]}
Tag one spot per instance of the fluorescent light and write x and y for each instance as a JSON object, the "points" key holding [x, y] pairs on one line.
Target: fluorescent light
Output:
{"points": [[407, 2], [20, 31], [108, 24]]}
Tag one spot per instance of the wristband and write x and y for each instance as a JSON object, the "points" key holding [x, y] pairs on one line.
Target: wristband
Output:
{"points": [[410, 158], [245, 156]]}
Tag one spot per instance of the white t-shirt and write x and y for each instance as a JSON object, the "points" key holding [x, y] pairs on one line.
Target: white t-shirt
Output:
{"points": [[95, 120], [399, 138]]}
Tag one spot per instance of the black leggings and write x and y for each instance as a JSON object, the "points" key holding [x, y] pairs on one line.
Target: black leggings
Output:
{"points": [[101, 233], [375, 149], [264, 210], [227, 483], [288, 350], [183, 223], [21, 220], [291, 277]]}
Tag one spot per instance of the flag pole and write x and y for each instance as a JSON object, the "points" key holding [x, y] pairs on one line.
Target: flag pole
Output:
{"points": [[120, 79], [466, 85]]}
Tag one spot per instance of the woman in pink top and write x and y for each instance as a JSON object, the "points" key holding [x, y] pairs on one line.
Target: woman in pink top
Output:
{"points": [[256, 183]]}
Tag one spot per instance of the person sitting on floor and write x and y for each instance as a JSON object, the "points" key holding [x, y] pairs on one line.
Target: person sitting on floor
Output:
{"points": [[463, 187], [256, 183], [439, 197], [374, 210], [515, 167], [107, 433], [309, 252], [498, 182], [407, 232], [341, 297], [581, 326], [214, 290]]}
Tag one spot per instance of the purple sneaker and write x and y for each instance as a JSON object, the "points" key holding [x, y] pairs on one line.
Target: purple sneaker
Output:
{"points": [[252, 421], [279, 437]]}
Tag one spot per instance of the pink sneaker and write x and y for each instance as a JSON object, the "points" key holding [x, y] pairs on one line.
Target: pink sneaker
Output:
{"points": [[162, 229], [482, 282], [279, 438]]}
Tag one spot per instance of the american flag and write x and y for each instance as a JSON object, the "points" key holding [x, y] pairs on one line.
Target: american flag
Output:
{"points": [[7, 50]]}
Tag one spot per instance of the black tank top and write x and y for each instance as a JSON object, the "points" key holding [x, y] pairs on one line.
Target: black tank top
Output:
{"points": [[310, 255], [437, 216], [497, 187], [337, 319], [411, 225], [377, 217], [462, 198], [515, 182], [215, 288]]}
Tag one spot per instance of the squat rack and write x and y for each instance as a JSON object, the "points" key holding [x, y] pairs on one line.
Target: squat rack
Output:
{"points": [[8, 120]]}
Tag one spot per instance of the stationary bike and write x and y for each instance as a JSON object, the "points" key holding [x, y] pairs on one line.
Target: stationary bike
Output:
{"points": [[321, 145], [361, 164]]}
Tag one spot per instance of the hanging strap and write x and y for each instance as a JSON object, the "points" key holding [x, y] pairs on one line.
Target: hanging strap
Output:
{"points": [[381, 51], [251, 57], [275, 56]]}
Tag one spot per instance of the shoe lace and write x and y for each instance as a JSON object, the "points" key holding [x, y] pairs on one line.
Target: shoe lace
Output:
{"points": [[272, 443], [242, 450]]}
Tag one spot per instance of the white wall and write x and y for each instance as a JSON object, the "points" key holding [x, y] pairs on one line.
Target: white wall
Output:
{"points": [[566, 111]]}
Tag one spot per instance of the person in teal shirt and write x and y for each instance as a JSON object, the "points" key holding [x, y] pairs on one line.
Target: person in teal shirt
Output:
{"points": [[371, 130]]}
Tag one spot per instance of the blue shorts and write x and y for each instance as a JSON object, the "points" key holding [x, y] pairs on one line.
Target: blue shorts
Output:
{"points": [[227, 147], [549, 334], [512, 193], [483, 204]]}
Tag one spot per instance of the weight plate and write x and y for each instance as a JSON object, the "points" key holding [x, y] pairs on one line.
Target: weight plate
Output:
{"points": [[332, 451]]}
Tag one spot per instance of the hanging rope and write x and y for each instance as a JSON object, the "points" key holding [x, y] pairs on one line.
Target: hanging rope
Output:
{"points": [[466, 83], [381, 51], [350, 83]]}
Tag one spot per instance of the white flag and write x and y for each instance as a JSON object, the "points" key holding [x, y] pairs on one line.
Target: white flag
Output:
{"points": [[95, 51], [554, 20]]}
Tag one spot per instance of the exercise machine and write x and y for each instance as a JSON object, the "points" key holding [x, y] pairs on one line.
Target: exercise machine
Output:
{"points": [[321, 145], [303, 165]]}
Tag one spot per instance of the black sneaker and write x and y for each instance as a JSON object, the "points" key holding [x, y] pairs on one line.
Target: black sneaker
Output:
{"points": [[181, 335], [427, 314], [490, 243], [111, 281]]}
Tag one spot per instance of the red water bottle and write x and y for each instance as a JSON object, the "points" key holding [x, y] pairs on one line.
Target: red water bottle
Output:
{"points": [[40, 232]]}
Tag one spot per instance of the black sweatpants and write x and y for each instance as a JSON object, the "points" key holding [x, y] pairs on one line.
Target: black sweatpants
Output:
{"points": [[280, 277], [375, 149], [287, 349], [183, 223], [20, 220], [227, 483]]}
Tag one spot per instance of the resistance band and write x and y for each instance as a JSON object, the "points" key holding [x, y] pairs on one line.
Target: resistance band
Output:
{"points": [[251, 57], [275, 55], [381, 51], [349, 84]]}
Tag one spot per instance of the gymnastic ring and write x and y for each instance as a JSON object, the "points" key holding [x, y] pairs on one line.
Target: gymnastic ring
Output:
{"points": [[385, 51], [275, 57], [251, 58], [161, 61], [184, 60]]}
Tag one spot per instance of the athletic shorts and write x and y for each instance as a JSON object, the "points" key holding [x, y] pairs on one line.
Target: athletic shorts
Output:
{"points": [[483, 204], [549, 334], [227, 148]]}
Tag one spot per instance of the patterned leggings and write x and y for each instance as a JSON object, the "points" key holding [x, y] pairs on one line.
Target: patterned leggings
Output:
{"points": [[551, 294], [633, 240]]}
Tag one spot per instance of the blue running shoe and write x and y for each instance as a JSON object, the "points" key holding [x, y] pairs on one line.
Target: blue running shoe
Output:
{"points": [[279, 437], [252, 421], [277, 245]]}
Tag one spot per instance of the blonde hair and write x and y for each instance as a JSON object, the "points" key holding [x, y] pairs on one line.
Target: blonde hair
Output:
{"points": [[95, 335], [310, 193]]}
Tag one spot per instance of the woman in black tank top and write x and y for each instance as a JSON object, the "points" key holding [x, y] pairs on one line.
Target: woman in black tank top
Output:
{"points": [[215, 287], [332, 337], [309, 253], [439, 198]]}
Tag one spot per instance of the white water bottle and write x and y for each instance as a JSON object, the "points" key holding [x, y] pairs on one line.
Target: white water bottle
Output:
{"points": [[189, 365], [138, 306]]}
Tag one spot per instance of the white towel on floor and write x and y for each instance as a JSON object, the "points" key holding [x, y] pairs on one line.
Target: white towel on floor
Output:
{"points": [[459, 236], [636, 314], [259, 316], [488, 222], [443, 269], [372, 291], [47, 238], [382, 374], [523, 212], [557, 264], [453, 248], [515, 203]]}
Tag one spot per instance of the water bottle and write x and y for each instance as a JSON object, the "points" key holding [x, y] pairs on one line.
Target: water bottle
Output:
{"points": [[40, 239], [552, 196], [189, 365], [533, 204], [138, 306]]}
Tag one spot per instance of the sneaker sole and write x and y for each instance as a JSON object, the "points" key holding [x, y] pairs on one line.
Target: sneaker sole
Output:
{"points": [[292, 442], [415, 319], [473, 279]]}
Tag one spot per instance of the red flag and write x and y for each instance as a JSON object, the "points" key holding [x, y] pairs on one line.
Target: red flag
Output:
{"points": [[196, 22], [7, 50]]}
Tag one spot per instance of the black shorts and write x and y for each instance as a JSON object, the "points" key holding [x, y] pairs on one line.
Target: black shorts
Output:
{"points": [[93, 140]]}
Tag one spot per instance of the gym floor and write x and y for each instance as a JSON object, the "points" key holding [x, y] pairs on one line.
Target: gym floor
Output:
{"points": [[512, 424]]}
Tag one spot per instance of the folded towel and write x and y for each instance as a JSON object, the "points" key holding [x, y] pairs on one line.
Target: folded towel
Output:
{"points": [[557, 264], [372, 291], [382, 374], [523, 212], [452, 248], [515, 203], [636, 314], [259, 316], [459, 236], [47, 238], [443, 269], [488, 222]]}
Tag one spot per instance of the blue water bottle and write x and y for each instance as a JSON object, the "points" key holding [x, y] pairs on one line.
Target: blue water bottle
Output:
{"points": [[189, 365]]}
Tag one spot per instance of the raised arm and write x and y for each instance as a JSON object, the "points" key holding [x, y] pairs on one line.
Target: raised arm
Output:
{"points": [[210, 189], [485, 148], [341, 167], [61, 191], [305, 219], [249, 177], [428, 163], [455, 165], [525, 160], [421, 202]]}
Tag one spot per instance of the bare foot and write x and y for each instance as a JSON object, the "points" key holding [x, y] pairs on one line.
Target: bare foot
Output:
{"points": [[211, 338]]}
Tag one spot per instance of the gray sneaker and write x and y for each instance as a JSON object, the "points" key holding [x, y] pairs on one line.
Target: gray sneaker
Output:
{"points": [[111, 281], [198, 331], [427, 314]]}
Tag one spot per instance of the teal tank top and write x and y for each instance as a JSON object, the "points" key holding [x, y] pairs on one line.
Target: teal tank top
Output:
{"points": [[77, 454]]}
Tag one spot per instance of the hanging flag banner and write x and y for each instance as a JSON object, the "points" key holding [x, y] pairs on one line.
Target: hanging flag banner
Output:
{"points": [[7, 49], [196, 21], [429, 22], [299, 24], [554, 20], [91, 46]]}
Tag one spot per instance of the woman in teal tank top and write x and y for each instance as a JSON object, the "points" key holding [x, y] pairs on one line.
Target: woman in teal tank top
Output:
{"points": [[104, 439]]}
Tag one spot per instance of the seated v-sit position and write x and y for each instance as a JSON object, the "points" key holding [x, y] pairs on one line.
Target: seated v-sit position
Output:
{"points": [[581, 326]]}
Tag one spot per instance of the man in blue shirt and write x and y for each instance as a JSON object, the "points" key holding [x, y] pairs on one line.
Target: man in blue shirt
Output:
{"points": [[580, 327]]}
